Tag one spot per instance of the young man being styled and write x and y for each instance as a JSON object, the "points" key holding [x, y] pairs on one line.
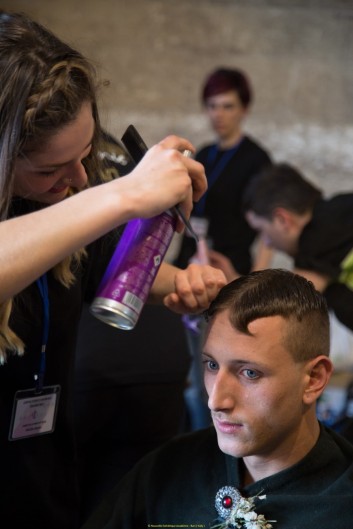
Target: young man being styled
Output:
{"points": [[267, 461]]}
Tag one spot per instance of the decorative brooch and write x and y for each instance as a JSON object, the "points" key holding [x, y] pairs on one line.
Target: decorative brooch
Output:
{"points": [[238, 512]]}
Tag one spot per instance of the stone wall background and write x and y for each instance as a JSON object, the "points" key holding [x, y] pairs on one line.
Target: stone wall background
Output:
{"points": [[156, 53]]}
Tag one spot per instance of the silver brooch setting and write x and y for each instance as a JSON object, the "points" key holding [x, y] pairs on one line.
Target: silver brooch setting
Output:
{"points": [[237, 511]]}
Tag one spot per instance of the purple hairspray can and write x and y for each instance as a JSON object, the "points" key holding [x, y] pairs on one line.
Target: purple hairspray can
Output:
{"points": [[127, 281]]}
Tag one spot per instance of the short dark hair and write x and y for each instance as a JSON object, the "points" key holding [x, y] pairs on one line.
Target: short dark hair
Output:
{"points": [[277, 292], [225, 79], [279, 185]]}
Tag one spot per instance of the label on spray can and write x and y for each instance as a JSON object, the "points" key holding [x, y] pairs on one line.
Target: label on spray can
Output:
{"points": [[129, 276]]}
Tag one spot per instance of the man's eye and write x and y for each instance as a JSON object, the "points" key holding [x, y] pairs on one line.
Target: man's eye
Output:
{"points": [[251, 374], [211, 365]]}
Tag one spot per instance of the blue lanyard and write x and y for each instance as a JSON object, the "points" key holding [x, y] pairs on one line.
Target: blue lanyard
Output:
{"points": [[42, 283], [215, 172]]}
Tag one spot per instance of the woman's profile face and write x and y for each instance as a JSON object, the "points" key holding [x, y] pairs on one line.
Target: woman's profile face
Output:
{"points": [[47, 175]]}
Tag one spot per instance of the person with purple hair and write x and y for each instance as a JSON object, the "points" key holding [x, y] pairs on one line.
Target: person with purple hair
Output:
{"points": [[230, 162]]}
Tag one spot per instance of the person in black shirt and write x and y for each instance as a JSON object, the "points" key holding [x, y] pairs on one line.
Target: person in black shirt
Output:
{"points": [[293, 217], [229, 163], [267, 462], [57, 219]]}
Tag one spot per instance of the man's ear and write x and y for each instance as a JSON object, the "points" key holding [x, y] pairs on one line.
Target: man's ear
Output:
{"points": [[318, 374], [283, 217]]}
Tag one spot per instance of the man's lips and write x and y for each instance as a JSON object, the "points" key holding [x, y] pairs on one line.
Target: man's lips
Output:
{"points": [[227, 427]]}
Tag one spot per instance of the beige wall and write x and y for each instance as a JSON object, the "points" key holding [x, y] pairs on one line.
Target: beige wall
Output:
{"points": [[155, 53]]}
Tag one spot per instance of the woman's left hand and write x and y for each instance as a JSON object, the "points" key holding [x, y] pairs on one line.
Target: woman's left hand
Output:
{"points": [[195, 288]]}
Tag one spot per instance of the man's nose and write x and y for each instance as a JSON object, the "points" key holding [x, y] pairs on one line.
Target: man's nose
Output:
{"points": [[222, 394]]}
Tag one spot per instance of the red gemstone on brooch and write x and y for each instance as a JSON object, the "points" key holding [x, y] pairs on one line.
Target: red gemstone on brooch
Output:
{"points": [[227, 502]]}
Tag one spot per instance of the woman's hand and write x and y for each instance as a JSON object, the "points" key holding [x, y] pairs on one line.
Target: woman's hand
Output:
{"points": [[163, 179], [195, 288]]}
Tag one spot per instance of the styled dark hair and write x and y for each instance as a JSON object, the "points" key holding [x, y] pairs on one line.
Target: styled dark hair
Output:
{"points": [[276, 292], [279, 185], [226, 79]]}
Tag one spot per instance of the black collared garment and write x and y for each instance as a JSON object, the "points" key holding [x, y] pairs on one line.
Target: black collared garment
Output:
{"points": [[176, 485]]}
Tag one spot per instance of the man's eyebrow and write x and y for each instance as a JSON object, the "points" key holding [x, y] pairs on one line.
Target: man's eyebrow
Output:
{"points": [[235, 361]]}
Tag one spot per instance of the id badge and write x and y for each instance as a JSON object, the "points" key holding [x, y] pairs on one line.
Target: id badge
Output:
{"points": [[34, 413]]}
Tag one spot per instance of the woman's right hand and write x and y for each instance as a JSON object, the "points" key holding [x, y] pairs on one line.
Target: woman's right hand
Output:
{"points": [[163, 179]]}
